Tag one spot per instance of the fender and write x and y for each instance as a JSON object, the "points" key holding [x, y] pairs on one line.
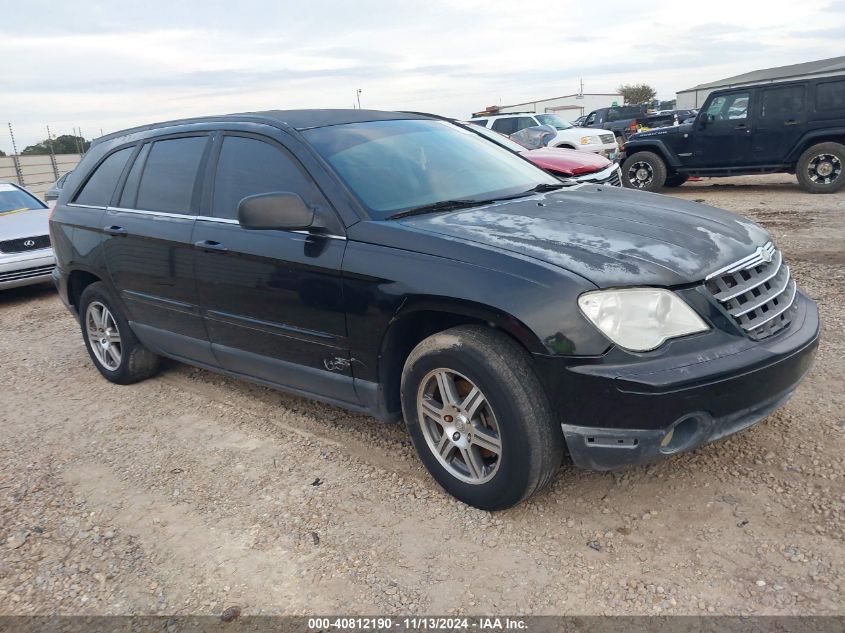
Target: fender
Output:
{"points": [[812, 137], [652, 144]]}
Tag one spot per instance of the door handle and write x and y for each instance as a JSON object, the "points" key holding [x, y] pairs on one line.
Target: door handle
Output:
{"points": [[117, 231], [741, 126], [791, 122], [210, 246]]}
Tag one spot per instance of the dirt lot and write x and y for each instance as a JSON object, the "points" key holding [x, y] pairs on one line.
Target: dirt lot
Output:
{"points": [[192, 492]]}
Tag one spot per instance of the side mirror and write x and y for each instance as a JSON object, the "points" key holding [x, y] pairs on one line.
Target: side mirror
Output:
{"points": [[704, 119], [282, 211]]}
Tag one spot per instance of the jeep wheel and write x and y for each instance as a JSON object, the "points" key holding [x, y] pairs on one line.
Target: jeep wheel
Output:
{"points": [[820, 168], [479, 418], [675, 180], [112, 345], [645, 171]]}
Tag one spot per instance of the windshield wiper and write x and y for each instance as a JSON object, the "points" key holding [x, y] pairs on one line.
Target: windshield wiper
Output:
{"points": [[546, 187], [443, 205]]}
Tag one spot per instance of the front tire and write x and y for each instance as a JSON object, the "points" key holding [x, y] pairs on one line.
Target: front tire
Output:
{"points": [[645, 171], [820, 168], [111, 344], [479, 417]]}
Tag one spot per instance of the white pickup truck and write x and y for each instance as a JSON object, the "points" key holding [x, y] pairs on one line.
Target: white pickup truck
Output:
{"points": [[587, 139]]}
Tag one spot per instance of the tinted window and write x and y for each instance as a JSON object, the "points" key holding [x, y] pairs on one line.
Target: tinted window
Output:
{"points": [[396, 165], [513, 124], [100, 186], [830, 95], [248, 167], [169, 174], [130, 189], [782, 102]]}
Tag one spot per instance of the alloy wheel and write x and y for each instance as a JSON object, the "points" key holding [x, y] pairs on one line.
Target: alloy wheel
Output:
{"points": [[103, 335], [640, 174], [459, 426], [823, 169]]}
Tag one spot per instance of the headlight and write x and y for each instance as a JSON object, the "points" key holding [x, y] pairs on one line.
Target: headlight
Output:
{"points": [[590, 140], [640, 319]]}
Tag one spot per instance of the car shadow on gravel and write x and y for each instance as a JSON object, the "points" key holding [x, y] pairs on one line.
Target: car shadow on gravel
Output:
{"points": [[14, 296]]}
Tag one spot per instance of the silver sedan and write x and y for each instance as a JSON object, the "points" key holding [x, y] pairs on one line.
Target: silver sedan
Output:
{"points": [[26, 256]]}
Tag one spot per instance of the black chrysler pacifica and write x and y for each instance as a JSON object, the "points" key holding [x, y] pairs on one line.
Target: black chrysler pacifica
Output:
{"points": [[403, 266]]}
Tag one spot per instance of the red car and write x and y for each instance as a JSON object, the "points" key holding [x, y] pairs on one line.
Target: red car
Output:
{"points": [[564, 163]]}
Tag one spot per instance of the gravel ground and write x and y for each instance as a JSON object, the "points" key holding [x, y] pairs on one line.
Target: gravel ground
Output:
{"points": [[191, 492]]}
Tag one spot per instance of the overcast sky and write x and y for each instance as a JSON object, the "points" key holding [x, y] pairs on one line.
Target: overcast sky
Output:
{"points": [[112, 64]]}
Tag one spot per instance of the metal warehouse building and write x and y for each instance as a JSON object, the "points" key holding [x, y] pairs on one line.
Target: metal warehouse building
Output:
{"points": [[568, 106], [695, 97]]}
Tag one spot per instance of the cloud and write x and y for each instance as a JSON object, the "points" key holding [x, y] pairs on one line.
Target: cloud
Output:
{"points": [[111, 63]]}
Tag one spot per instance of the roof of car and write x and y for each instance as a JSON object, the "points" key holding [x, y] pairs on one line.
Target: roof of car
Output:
{"points": [[297, 119]]}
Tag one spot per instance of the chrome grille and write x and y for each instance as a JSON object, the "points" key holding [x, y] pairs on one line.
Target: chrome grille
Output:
{"points": [[26, 273], [757, 291], [607, 138]]}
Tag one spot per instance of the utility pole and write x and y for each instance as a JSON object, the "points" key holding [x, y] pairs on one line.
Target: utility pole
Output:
{"points": [[358, 95], [15, 158], [581, 91], [52, 153]]}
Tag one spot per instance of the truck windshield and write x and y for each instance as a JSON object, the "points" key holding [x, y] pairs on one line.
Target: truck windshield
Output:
{"points": [[554, 120], [393, 166]]}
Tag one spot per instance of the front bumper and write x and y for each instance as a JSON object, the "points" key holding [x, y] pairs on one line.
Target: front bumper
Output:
{"points": [[27, 268], [617, 415], [610, 175]]}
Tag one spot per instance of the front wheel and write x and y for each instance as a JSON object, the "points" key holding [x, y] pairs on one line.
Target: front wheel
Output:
{"points": [[645, 171], [479, 417], [819, 169]]}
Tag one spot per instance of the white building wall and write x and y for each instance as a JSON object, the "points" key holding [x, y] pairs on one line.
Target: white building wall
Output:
{"points": [[568, 107]]}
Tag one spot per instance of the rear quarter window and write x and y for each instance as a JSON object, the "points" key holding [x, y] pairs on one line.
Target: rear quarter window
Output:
{"points": [[830, 95], [100, 186]]}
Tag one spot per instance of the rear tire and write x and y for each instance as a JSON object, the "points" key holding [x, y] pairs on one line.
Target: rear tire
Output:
{"points": [[675, 180], [492, 440], [645, 171], [820, 168], [111, 343]]}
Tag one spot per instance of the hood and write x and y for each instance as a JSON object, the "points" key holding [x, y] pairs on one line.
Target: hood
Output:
{"points": [[566, 161], [608, 235], [673, 130], [24, 224]]}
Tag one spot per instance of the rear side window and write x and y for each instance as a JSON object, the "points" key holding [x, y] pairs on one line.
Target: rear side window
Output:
{"points": [[248, 167], [130, 189], [512, 125], [830, 96], [99, 189], [785, 101], [170, 172]]}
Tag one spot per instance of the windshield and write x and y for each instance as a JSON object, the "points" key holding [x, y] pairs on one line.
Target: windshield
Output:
{"points": [[13, 199], [499, 139], [554, 120], [397, 165]]}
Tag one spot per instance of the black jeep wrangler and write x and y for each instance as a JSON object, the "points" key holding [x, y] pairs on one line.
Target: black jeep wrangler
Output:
{"points": [[795, 127]]}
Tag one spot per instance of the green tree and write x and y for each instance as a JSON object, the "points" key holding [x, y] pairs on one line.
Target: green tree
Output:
{"points": [[64, 144], [637, 94]]}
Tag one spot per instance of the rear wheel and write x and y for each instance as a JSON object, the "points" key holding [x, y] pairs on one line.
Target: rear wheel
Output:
{"points": [[820, 168], [675, 180], [645, 171], [479, 417], [116, 352]]}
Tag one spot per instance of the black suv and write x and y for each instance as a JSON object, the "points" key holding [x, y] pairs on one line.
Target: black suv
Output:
{"points": [[400, 265], [795, 127]]}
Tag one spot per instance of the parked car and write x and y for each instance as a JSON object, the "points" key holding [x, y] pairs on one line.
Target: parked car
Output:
{"points": [[52, 194], [25, 254], [402, 266], [559, 161], [791, 127], [568, 136], [621, 120]]}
